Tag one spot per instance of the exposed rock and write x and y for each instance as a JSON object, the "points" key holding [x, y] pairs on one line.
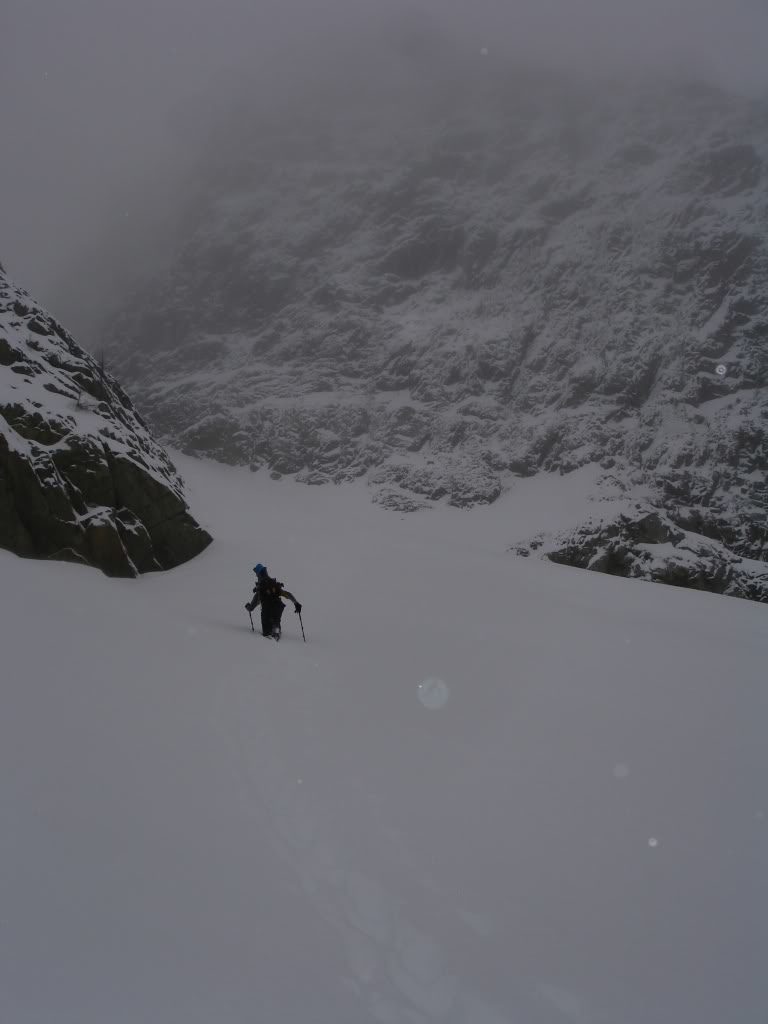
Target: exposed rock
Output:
{"points": [[642, 543], [81, 478]]}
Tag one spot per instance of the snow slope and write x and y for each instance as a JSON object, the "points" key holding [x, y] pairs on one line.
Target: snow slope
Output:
{"points": [[199, 825]]}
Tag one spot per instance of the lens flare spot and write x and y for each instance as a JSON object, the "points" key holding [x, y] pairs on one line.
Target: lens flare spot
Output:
{"points": [[433, 693]]}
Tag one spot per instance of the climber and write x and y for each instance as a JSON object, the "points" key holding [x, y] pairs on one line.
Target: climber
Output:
{"points": [[268, 593]]}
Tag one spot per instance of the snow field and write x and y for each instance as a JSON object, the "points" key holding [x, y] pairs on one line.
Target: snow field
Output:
{"points": [[200, 825]]}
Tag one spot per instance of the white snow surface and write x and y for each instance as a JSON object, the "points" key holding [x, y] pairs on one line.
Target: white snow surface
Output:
{"points": [[200, 825]]}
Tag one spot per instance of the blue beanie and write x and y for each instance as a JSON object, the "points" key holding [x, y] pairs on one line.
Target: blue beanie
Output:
{"points": [[259, 568]]}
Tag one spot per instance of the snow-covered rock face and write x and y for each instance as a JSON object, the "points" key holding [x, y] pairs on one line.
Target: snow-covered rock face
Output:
{"points": [[640, 543], [80, 476], [441, 295]]}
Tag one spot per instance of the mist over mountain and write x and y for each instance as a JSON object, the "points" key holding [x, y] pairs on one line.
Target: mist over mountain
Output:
{"points": [[435, 247], [499, 275], [105, 102]]}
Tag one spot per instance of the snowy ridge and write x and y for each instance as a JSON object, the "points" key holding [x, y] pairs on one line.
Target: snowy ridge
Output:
{"points": [[80, 475], [519, 276]]}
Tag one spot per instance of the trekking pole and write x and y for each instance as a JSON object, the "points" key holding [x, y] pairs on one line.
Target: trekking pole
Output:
{"points": [[302, 627], [250, 616]]}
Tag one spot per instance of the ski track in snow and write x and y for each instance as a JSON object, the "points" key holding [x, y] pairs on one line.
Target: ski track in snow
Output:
{"points": [[202, 826]]}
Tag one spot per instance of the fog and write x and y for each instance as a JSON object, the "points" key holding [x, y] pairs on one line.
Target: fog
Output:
{"points": [[106, 104]]}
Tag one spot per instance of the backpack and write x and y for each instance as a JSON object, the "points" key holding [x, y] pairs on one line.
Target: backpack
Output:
{"points": [[269, 589]]}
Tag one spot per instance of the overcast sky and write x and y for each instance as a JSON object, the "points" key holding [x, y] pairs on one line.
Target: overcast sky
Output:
{"points": [[92, 89]]}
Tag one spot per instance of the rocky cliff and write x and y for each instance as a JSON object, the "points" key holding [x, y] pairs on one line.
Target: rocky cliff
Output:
{"points": [[502, 277], [81, 478]]}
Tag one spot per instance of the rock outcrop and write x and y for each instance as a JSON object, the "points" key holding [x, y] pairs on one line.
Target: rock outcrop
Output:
{"points": [[81, 478], [639, 542]]}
